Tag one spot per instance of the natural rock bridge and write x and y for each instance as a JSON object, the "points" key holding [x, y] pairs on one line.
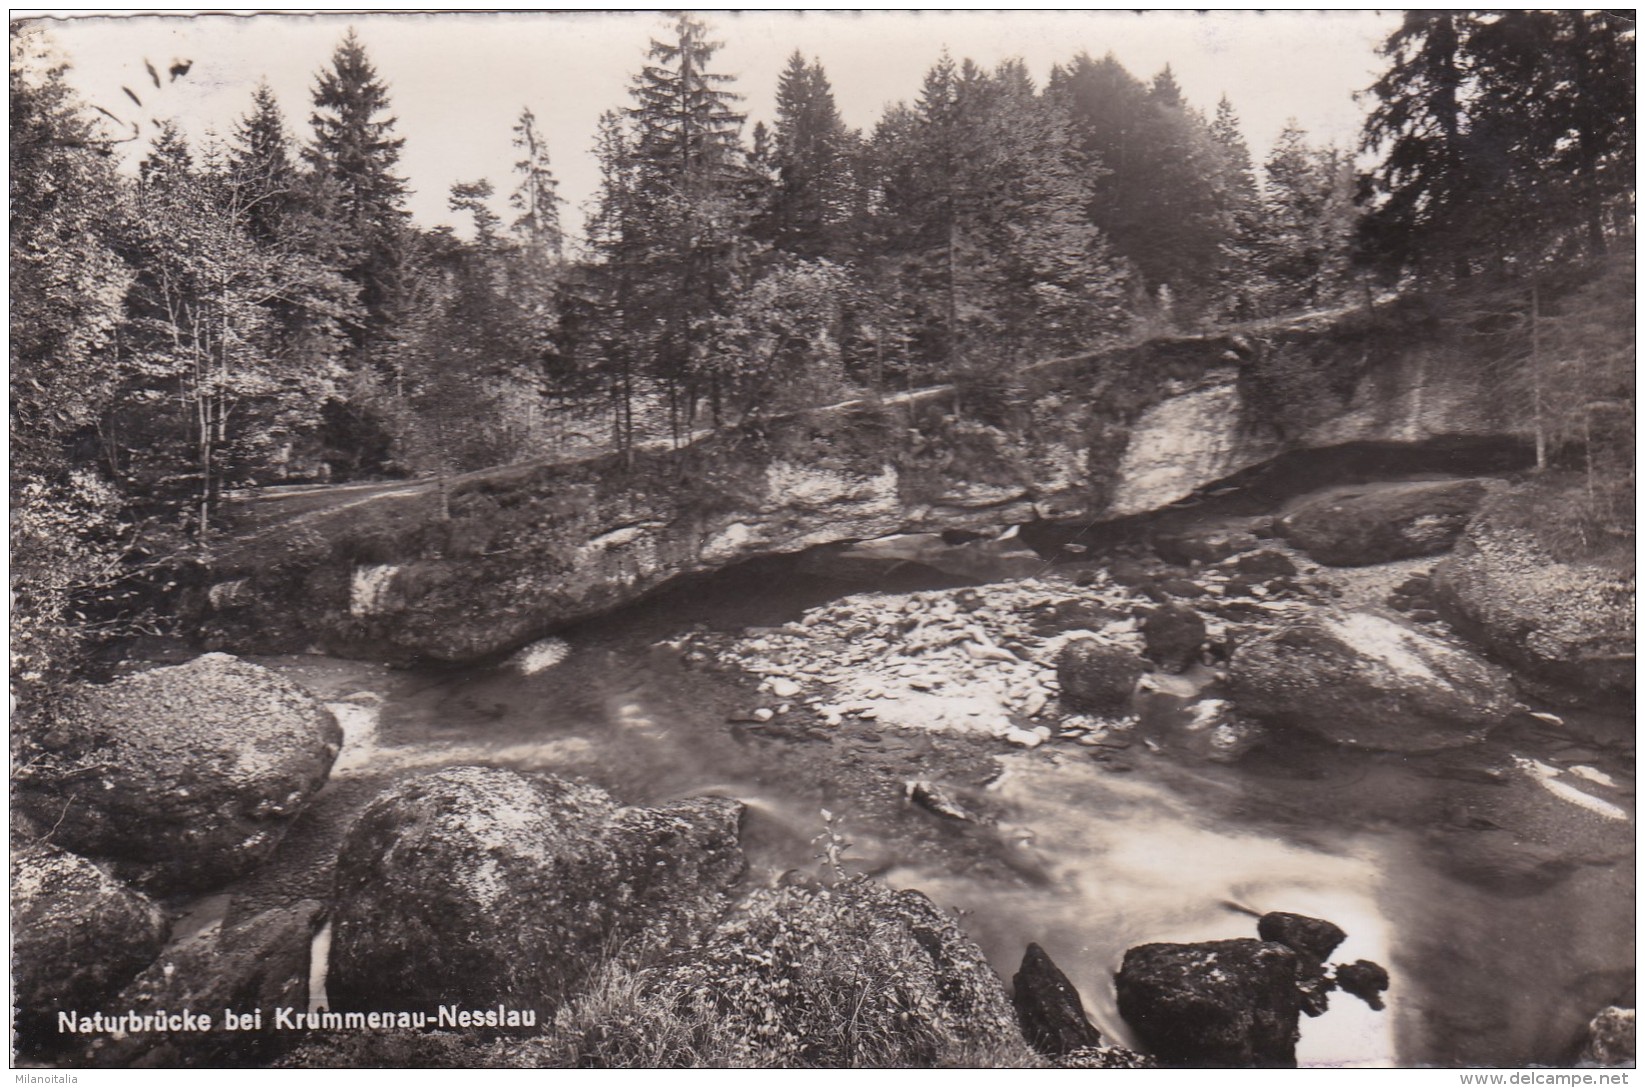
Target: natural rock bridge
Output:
{"points": [[1086, 439]]}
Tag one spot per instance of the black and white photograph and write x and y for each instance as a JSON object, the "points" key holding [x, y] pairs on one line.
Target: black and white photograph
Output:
{"points": [[788, 539]]}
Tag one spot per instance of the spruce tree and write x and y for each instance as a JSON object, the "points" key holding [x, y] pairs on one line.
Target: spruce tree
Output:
{"points": [[690, 212], [354, 156], [811, 153]]}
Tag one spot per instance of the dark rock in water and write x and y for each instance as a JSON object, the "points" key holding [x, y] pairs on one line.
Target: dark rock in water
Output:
{"points": [[1358, 527], [1266, 564], [1049, 1008], [183, 777], [1218, 1004], [1173, 636], [1567, 621], [805, 976], [1313, 937], [936, 800], [481, 886], [1085, 578], [1072, 616], [1612, 1039], [1423, 615], [1363, 680], [1181, 587], [78, 935], [261, 963], [1129, 572], [1098, 675], [1206, 544], [1365, 980]]}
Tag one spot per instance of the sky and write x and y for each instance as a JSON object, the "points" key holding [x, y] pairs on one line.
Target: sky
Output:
{"points": [[457, 81]]}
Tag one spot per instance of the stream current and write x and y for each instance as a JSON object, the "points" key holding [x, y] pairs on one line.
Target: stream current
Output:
{"points": [[1503, 911]]}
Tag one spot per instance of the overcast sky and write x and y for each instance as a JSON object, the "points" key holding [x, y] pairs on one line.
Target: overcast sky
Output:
{"points": [[457, 81]]}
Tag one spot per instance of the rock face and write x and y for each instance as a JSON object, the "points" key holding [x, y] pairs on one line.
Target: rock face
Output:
{"points": [[1566, 621], [887, 977], [478, 885], [1362, 680], [1356, 527], [183, 777], [1049, 1009], [1118, 432], [260, 963], [1228, 1004], [1098, 675], [78, 935]]}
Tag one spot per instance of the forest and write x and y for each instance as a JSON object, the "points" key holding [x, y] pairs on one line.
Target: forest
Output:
{"points": [[263, 310]]}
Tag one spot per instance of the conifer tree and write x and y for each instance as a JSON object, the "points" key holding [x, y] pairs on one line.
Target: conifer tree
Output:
{"points": [[690, 212], [354, 156], [811, 152], [1244, 290], [537, 197]]}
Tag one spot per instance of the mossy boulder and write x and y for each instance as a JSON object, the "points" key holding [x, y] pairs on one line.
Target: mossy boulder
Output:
{"points": [[1363, 680], [479, 886], [1097, 675], [1360, 526], [1172, 635], [806, 975], [184, 777], [78, 935], [1564, 614]]}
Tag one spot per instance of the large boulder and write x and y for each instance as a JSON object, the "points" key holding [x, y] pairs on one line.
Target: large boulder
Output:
{"points": [[1356, 527], [1366, 681], [481, 886], [260, 964], [1564, 614], [804, 975], [77, 936], [1049, 1008], [1173, 635], [1218, 1004], [185, 777], [1096, 675]]}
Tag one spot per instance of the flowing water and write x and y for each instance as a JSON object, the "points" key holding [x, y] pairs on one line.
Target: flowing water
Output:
{"points": [[1502, 906]]}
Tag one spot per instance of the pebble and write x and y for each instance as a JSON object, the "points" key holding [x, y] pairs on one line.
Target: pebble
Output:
{"points": [[784, 688], [1022, 738], [764, 714]]}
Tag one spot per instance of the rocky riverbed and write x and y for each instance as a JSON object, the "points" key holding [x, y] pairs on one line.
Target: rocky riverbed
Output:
{"points": [[1109, 750]]}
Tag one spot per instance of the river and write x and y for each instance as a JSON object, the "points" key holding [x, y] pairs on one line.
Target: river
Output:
{"points": [[1503, 911]]}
